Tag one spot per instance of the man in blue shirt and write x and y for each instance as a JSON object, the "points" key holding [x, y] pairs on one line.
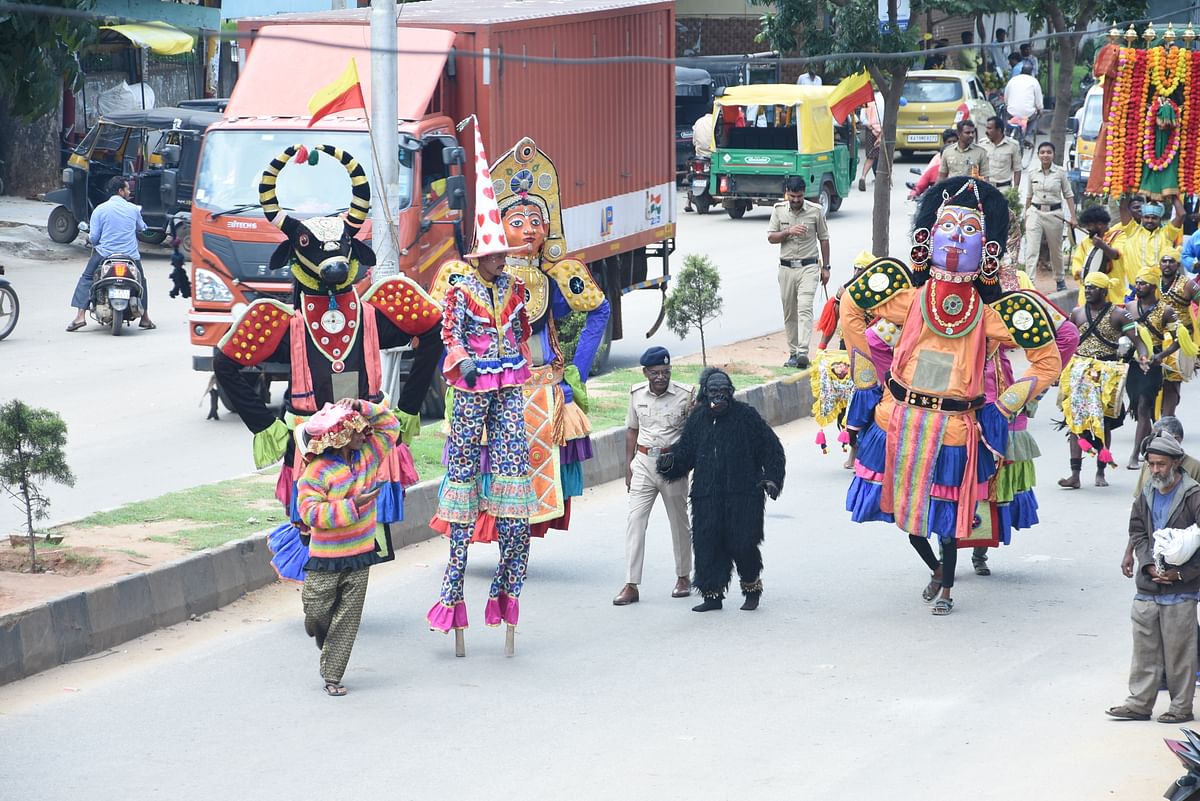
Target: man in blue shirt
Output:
{"points": [[1191, 251], [112, 230], [1164, 605]]}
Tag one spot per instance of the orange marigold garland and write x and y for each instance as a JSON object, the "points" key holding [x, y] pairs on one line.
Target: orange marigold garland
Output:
{"points": [[1114, 163]]}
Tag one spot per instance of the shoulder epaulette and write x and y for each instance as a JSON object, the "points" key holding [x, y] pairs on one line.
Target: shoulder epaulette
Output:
{"points": [[636, 387], [1026, 319], [405, 304], [880, 281], [257, 333]]}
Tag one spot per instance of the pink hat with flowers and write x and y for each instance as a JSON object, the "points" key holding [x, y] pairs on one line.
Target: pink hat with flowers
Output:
{"points": [[332, 427]]}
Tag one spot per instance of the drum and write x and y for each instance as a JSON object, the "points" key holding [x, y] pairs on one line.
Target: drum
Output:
{"points": [[1089, 391], [831, 385]]}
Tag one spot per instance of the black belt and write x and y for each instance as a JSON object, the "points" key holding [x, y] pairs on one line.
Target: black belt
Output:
{"points": [[792, 262], [1003, 183], [935, 402], [1047, 206]]}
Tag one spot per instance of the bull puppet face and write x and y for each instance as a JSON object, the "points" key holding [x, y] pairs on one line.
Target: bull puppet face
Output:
{"points": [[323, 253]]}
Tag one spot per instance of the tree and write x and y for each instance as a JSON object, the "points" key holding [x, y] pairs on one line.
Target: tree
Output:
{"points": [[853, 28], [695, 299], [31, 451], [37, 54]]}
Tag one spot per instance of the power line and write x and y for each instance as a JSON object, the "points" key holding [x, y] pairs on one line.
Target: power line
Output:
{"points": [[566, 61]]}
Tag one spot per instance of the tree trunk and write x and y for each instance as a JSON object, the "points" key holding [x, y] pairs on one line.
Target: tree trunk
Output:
{"points": [[891, 88], [703, 349], [30, 151], [33, 566], [1062, 91]]}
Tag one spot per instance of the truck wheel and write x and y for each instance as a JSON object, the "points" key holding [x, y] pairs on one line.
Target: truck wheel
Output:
{"points": [[825, 198], [736, 211], [434, 405], [62, 225], [152, 236], [703, 204], [183, 232]]}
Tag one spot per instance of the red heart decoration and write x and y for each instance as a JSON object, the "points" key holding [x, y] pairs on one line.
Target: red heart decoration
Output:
{"points": [[494, 215], [488, 193], [479, 218], [486, 238]]}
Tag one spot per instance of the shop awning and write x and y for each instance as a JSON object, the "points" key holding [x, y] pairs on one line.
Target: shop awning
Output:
{"points": [[159, 37]]}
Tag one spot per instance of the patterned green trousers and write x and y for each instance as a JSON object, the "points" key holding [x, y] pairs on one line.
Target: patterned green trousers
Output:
{"points": [[333, 604]]}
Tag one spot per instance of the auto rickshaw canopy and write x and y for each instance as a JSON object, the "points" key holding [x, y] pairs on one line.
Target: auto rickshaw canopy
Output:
{"points": [[807, 107], [158, 37]]}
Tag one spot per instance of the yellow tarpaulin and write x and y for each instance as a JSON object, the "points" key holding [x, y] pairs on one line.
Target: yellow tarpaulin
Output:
{"points": [[161, 39], [815, 123]]}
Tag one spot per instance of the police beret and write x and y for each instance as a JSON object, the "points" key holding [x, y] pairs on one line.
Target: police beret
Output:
{"points": [[655, 356]]}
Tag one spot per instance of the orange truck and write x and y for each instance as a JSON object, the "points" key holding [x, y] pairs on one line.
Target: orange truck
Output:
{"points": [[607, 125]]}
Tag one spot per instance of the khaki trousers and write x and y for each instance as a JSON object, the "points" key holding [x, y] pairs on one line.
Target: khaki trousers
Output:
{"points": [[797, 288], [1047, 224], [645, 486], [1163, 635]]}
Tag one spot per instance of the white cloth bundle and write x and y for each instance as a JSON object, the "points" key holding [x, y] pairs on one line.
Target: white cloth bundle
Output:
{"points": [[1176, 545]]}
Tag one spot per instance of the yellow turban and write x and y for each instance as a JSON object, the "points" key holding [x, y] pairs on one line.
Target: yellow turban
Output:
{"points": [[1150, 275], [864, 259], [1173, 254], [1097, 278]]}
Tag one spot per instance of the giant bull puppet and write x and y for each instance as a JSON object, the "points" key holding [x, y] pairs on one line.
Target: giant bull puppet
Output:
{"points": [[331, 337]]}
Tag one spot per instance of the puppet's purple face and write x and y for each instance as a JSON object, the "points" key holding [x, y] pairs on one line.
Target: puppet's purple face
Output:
{"points": [[958, 240]]}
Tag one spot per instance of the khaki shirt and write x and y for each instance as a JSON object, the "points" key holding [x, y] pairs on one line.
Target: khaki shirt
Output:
{"points": [[966, 162], [1049, 187], [658, 419], [799, 247], [1004, 160]]}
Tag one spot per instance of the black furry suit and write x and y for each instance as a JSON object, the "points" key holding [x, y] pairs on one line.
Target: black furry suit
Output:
{"points": [[729, 455]]}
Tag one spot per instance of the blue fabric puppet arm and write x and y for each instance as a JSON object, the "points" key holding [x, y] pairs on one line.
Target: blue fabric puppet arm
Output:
{"points": [[590, 337]]}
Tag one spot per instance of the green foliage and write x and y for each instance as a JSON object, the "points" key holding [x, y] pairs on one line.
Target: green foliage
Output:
{"points": [[37, 53], [31, 452], [695, 298], [569, 328]]}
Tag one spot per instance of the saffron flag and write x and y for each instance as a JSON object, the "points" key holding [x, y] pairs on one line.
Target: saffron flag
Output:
{"points": [[850, 93], [342, 94]]}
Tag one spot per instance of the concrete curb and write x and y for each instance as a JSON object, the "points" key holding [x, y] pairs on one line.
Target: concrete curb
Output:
{"points": [[73, 626]]}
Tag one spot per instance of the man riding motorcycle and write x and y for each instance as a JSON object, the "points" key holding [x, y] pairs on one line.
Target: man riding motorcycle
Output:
{"points": [[112, 231]]}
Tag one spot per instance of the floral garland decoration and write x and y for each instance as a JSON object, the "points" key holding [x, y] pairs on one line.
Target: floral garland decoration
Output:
{"points": [[1160, 163], [1189, 168], [1139, 83], [1114, 163], [1160, 67]]}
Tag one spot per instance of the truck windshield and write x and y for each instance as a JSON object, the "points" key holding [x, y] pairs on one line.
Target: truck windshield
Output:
{"points": [[1092, 116], [233, 162]]}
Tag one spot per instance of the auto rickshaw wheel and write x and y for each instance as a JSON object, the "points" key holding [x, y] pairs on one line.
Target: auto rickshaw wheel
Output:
{"points": [[62, 225], [825, 198], [152, 236], [183, 232]]}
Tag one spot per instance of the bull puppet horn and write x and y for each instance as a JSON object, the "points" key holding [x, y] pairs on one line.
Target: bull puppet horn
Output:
{"points": [[360, 188]]}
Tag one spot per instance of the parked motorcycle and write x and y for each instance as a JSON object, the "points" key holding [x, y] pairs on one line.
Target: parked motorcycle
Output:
{"points": [[698, 194], [10, 306], [117, 293], [1187, 786]]}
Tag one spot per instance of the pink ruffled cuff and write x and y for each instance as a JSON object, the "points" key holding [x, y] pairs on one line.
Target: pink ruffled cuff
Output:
{"points": [[502, 608], [490, 382], [443, 618]]}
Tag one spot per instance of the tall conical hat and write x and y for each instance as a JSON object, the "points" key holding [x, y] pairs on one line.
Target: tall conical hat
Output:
{"points": [[489, 231]]}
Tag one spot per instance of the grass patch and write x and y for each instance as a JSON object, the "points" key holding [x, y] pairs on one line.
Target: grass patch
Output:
{"points": [[131, 552], [84, 563]]}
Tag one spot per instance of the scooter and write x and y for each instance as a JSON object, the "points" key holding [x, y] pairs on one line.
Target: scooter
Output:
{"points": [[698, 194], [10, 306], [1187, 786], [117, 293]]}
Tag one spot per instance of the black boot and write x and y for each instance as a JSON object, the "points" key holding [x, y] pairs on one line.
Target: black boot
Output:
{"points": [[711, 603], [753, 592]]}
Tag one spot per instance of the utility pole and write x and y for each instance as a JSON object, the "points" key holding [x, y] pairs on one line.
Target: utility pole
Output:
{"points": [[386, 140]]}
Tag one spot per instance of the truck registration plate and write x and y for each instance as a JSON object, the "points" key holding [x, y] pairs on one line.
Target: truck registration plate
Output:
{"points": [[914, 138]]}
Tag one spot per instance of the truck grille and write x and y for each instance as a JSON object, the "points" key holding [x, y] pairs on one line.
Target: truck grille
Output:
{"points": [[246, 261]]}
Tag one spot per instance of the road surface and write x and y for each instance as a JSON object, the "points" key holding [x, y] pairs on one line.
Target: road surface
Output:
{"points": [[841, 686]]}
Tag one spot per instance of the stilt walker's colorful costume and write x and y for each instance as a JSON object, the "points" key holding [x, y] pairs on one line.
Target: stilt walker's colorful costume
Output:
{"points": [[486, 333], [526, 187], [331, 337], [929, 439]]}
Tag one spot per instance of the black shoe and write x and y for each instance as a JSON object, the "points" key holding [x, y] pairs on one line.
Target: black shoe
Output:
{"points": [[802, 362], [709, 605], [1060, 286], [751, 602], [981, 567], [791, 363]]}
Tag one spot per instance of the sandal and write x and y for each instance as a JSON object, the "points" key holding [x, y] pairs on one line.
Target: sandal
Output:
{"points": [[943, 607], [334, 689], [1125, 713], [1175, 717], [147, 326], [75, 326], [931, 589]]}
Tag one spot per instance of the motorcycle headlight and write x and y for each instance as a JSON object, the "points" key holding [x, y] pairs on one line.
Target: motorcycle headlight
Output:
{"points": [[208, 287]]}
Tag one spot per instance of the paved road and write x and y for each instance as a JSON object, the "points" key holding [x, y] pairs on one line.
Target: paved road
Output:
{"points": [[842, 686], [135, 410]]}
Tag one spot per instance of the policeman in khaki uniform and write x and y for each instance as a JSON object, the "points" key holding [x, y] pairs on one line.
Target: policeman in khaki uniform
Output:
{"points": [[658, 409], [965, 157], [1004, 156], [798, 227], [1049, 191]]}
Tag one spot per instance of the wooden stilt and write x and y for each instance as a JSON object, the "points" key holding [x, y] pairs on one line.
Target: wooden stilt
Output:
{"points": [[510, 640], [460, 643]]}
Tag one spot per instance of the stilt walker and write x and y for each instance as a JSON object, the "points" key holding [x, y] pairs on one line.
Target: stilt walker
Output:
{"points": [[486, 334]]}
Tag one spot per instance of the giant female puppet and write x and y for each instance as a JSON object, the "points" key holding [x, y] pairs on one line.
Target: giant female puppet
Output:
{"points": [[330, 336], [526, 187], [930, 440]]}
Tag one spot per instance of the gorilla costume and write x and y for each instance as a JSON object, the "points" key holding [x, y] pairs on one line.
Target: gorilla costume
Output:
{"points": [[735, 458]]}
